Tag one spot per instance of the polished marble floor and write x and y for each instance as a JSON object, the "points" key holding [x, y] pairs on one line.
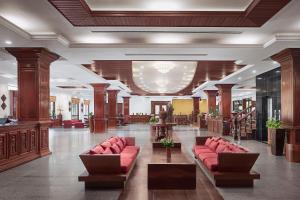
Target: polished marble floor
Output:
{"points": [[55, 176]]}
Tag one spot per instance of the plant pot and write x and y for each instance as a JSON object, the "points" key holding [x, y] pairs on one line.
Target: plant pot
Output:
{"points": [[91, 124], [168, 152], [277, 141]]}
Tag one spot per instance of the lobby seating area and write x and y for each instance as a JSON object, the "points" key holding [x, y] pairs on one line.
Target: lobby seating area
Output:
{"points": [[227, 164], [109, 163], [149, 100]]}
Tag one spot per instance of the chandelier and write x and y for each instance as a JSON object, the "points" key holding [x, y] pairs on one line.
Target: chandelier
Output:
{"points": [[164, 67]]}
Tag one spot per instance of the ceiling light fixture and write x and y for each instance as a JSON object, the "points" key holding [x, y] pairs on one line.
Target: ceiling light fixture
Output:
{"points": [[239, 78], [8, 42], [164, 67], [254, 71]]}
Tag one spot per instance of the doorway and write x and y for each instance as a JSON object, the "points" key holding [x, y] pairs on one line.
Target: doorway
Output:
{"points": [[157, 106]]}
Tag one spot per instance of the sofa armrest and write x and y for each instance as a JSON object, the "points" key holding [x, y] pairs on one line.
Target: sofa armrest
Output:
{"points": [[236, 162], [200, 140], [101, 164], [130, 141]]}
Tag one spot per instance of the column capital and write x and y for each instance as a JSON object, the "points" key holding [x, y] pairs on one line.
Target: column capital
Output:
{"points": [[32, 53], [211, 92], [224, 86], [100, 86]]}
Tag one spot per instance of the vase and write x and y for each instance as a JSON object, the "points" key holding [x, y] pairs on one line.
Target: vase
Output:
{"points": [[168, 151]]}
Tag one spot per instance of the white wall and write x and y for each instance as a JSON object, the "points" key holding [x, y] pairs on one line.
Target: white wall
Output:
{"points": [[4, 91]]}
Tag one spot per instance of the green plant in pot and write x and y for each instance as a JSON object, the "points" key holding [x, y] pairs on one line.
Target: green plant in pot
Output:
{"points": [[153, 120], [91, 122], [167, 143], [276, 136]]}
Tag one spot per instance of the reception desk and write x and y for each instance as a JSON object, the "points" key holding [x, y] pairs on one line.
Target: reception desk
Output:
{"points": [[23, 142]]}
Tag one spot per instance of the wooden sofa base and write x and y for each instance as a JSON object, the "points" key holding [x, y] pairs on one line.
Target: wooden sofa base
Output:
{"points": [[102, 181], [229, 179]]}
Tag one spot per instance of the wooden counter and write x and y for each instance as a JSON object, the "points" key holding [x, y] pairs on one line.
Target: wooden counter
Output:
{"points": [[139, 118], [215, 125], [23, 142]]}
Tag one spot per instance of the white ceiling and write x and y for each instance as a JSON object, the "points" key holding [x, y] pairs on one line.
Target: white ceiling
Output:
{"points": [[168, 5], [37, 23]]}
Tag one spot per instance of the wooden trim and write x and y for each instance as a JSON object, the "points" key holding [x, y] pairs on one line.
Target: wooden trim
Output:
{"points": [[78, 13]]}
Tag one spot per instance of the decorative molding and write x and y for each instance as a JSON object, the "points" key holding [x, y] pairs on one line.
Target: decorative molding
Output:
{"points": [[283, 37]]}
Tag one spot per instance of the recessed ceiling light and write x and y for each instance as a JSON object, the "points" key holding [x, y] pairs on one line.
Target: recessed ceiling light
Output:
{"points": [[277, 71], [259, 78], [254, 71], [239, 78], [275, 63], [8, 42]]}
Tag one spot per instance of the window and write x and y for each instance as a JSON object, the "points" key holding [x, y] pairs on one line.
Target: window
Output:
{"points": [[75, 108]]}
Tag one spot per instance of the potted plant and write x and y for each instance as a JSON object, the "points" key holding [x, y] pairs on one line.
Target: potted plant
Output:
{"points": [[91, 122], [276, 136], [167, 143]]}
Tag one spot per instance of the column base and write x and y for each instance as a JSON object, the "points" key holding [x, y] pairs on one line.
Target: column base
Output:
{"points": [[112, 122], [100, 125], [292, 152]]}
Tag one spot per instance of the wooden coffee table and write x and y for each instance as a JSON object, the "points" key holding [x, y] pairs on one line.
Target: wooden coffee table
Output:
{"points": [[178, 174]]}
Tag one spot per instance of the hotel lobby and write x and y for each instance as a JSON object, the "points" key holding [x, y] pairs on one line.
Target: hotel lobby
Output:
{"points": [[149, 100]]}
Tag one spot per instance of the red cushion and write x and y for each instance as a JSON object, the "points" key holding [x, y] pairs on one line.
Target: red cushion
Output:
{"points": [[115, 149], [120, 144], [129, 154], [227, 150], [106, 144], [213, 145], [124, 141], [211, 164], [112, 140], [221, 148], [126, 164], [208, 141], [107, 151], [215, 138], [203, 156], [97, 150], [206, 150], [132, 148]]}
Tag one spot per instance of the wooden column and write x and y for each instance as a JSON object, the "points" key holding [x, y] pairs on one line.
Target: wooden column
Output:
{"points": [[100, 120], [112, 108], [225, 100], [211, 99], [126, 109], [34, 90], [289, 60], [196, 109]]}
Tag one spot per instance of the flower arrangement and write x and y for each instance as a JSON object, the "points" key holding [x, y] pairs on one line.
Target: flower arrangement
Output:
{"points": [[167, 142], [153, 120]]}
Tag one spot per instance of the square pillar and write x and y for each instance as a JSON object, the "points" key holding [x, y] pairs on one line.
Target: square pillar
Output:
{"points": [[196, 109], [289, 60], [112, 108], [211, 99], [225, 100], [100, 121], [126, 109], [34, 90]]}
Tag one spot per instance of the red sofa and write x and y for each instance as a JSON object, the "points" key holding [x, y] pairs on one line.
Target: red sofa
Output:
{"points": [[109, 164], [225, 163], [74, 122]]}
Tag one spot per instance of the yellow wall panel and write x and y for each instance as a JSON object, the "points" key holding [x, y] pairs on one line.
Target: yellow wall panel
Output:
{"points": [[185, 106]]}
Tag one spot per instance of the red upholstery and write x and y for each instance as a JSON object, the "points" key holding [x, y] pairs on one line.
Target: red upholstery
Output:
{"points": [[204, 156], [97, 150], [221, 148], [120, 144], [136, 148], [79, 125], [208, 141], [126, 163], [106, 144], [203, 150], [115, 149], [107, 151], [211, 163], [213, 145], [113, 140], [123, 140]]}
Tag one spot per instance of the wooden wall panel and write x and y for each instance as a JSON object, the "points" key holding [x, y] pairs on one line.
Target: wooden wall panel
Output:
{"points": [[112, 108], [225, 100]]}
